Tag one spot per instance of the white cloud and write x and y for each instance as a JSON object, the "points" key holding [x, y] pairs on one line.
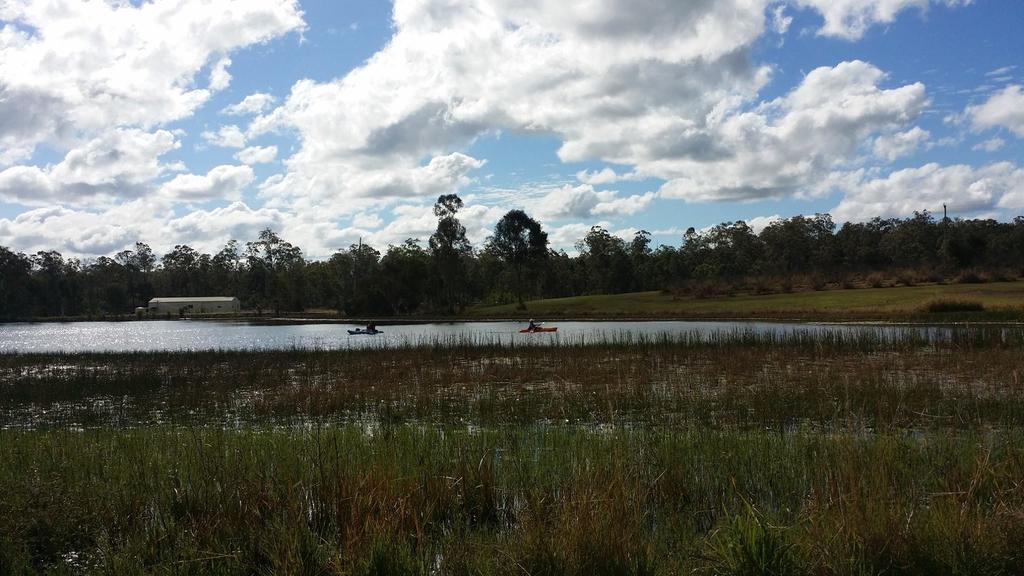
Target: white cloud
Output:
{"points": [[257, 155], [597, 75], [605, 176], [899, 144], [759, 223], [220, 78], [566, 236], [70, 232], [73, 68], [1002, 71], [850, 19], [208, 230], [229, 136], [88, 233], [624, 206], [344, 189], [780, 22], [1003, 109], [966, 190], [569, 202], [789, 145], [666, 87], [365, 220], [990, 145], [119, 164], [256, 103], [221, 183]]}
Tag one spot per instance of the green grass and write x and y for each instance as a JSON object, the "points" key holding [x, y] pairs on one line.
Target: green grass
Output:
{"points": [[527, 500], [828, 452], [829, 380], [1001, 300]]}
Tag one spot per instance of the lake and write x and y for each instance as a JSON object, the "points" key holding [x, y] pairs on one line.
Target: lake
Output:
{"points": [[238, 335]]}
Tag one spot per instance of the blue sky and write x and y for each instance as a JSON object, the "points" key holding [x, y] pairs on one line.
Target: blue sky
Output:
{"points": [[116, 122]]}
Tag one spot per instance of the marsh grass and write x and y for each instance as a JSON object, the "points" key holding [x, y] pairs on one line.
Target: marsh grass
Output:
{"points": [[827, 380], [813, 452], [558, 501]]}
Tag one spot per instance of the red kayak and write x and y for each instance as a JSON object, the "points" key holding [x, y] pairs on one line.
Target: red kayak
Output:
{"points": [[528, 331]]}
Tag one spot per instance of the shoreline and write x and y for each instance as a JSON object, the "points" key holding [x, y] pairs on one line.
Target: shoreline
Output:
{"points": [[894, 320]]}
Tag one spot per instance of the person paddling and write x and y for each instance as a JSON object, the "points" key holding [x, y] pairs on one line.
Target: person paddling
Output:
{"points": [[533, 325]]}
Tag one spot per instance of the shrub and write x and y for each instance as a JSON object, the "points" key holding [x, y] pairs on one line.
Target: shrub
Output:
{"points": [[876, 280], [748, 545], [971, 277], [761, 287], [389, 558], [906, 278], [942, 306], [1002, 275]]}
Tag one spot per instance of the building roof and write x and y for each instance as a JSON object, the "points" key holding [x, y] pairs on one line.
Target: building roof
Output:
{"points": [[210, 299]]}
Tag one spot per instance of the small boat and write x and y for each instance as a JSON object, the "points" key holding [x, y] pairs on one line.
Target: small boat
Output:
{"points": [[362, 332], [537, 329]]}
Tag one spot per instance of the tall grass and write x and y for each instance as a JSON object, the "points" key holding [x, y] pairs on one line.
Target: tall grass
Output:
{"points": [[829, 380], [812, 452], [425, 499]]}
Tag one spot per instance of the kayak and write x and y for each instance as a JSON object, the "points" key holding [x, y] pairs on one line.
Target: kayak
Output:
{"points": [[361, 332], [528, 331]]}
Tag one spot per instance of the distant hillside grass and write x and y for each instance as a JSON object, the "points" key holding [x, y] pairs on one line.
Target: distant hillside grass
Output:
{"points": [[998, 301]]}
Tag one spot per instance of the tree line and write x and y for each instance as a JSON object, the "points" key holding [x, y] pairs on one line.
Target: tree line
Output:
{"points": [[515, 264]]}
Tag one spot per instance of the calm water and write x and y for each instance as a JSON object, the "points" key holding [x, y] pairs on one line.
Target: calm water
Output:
{"points": [[205, 335]]}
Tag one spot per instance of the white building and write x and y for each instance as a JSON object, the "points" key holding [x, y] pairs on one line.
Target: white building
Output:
{"points": [[195, 305]]}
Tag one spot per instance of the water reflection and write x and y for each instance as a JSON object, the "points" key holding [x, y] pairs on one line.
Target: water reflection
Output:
{"points": [[210, 335]]}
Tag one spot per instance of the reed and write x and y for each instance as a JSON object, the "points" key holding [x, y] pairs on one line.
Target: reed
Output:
{"points": [[419, 499], [812, 452], [827, 380]]}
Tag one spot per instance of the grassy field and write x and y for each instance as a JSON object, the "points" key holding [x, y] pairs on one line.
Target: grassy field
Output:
{"points": [[1000, 300], [809, 453]]}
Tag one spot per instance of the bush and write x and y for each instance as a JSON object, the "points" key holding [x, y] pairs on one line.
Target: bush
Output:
{"points": [[749, 545], [949, 305], [1002, 275], [389, 558], [906, 278], [876, 280], [971, 277], [761, 287]]}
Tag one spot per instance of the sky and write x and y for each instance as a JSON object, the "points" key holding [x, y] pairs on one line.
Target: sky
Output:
{"points": [[198, 121]]}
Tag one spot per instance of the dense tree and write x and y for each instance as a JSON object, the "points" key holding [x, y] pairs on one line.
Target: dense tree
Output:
{"points": [[799, 244], [521, 245], [912, 242], [272, 274], [859, 244], [449, 249], [729, 249], [406, 270], [640, 259], [15, 285], [226, 269]]}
